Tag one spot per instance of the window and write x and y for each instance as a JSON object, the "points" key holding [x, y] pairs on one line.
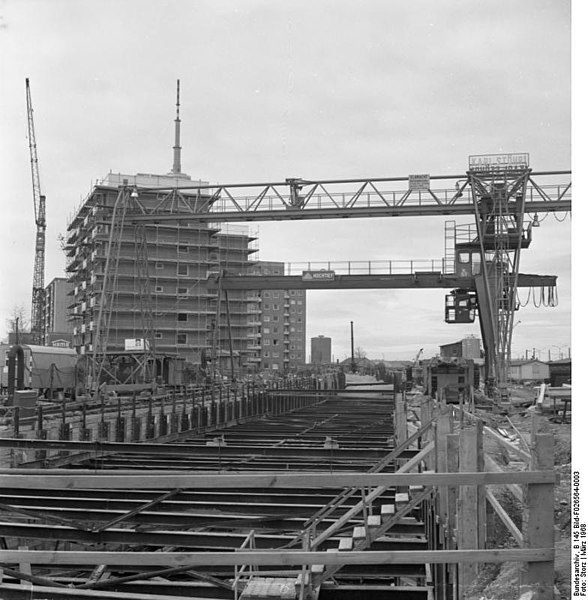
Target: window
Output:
{"points": [[182, 291], [266, 306], [159, 265], [266, 294], [275, 330], [276, 318], [158, 288], [266, 342], [276, 307], [266, 354], [182, 338], [182, 269], [158, 335], [275, 342], [276, 355], [292, 329], [276, 294], [183, 249], [266, 330], [182, 316], [266, 318]]}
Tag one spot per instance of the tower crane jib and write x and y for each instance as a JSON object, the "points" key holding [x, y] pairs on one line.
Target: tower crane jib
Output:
{"points": [[38, 296]]}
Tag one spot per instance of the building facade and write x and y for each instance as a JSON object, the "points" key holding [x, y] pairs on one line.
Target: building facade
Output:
{"points": [[320, 350], [57, 326], [282, 333], [468, 347], [528, 370], [156, 282]]}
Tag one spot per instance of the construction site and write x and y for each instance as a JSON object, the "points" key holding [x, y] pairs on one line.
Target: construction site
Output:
{"points": [[245, 370], [182, 447]]}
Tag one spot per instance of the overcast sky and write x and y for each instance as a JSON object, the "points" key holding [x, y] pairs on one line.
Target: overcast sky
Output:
{"points": [[270, 90]]}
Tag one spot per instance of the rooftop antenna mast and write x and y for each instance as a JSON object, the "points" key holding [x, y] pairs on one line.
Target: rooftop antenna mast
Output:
{"points": [[38, 299], [177, 167]]}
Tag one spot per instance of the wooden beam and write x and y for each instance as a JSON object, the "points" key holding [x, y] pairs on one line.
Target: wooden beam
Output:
{"points": [[135, 511], [107, 583], [468, 526], [188, 480], [505, 518], [30, 578], [538, 522], [276, 557]]}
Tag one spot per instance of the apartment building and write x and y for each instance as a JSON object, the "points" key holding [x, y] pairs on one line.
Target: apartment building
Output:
{"points": [[320, 350], [282, 333], [159, 277], [57, 327]]}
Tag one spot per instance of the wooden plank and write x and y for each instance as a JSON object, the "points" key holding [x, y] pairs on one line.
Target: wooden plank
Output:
{"points": [[468, 513], [144, 507], [505, 518], [444, 428], [400, 422], [275, 557], [275, 480], [79, 594], [538, 522], [452, 445]]}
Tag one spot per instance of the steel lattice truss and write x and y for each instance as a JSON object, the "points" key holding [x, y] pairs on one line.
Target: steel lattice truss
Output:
{"points": [[298, 199]]}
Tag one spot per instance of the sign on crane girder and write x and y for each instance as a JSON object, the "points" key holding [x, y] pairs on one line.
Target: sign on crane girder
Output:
{"points": [[318, 275], [419, 183], [484, 163]]}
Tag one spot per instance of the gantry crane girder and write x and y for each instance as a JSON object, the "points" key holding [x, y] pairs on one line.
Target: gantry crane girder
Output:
{"points": [[298, 199], [417, 280]]}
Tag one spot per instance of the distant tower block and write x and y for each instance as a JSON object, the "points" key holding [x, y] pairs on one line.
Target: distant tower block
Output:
{"points": [[320, 350]]}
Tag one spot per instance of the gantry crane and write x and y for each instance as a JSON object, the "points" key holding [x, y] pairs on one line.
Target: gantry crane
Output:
{"points": [[38, 299], [499, 190]]}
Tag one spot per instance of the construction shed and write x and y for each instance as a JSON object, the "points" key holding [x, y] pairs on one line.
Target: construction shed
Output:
{"points": [[528, 370]]}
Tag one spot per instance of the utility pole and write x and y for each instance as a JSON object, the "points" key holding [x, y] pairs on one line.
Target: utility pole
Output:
{"points": [[353, 367]]}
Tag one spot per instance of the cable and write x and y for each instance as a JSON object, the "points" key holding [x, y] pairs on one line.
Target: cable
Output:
{"points": [[528, 298]]}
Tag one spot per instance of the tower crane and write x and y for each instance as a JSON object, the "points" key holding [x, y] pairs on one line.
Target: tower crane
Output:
{"points": [[41, 224]]}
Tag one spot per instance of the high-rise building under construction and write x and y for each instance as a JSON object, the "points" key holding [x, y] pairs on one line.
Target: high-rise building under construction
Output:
{"points": [[152, 287]]}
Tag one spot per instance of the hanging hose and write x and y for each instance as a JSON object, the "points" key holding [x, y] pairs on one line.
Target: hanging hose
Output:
{"points": [[520, 303]]}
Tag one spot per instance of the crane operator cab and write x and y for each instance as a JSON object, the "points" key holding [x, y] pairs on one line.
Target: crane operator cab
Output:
{"points": [[467, 262], [460, 306]]}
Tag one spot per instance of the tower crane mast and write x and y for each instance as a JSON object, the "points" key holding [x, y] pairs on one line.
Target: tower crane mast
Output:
{"points": [[41, 225]]}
